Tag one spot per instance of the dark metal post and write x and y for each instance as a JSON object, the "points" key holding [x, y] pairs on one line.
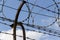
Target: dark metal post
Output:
{"points": [[16, 19]]}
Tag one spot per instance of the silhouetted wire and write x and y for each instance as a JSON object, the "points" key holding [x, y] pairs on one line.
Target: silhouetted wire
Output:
{"points": [[38, 27], [27, 5], [31, 11], [2, 8], [33, 26], [31, 14], [58, 14], [52, 23], [53, 4], [28, 11], [28, 14], [44, 29], [6, 19], [57, 7], [12, 34], [31, 4], [21, 36], [2, 18], [33, 31], [41, 7]]}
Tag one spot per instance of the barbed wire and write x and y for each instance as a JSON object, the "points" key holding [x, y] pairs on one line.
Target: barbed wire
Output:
{"points": [[2, 18], [53, 4], [38, 14], [28, 14], [42, 7], [57, 8], [28, 11], [11, 20], [31, 13], [54, 34], [58, 14], [15, 8], [50, 24], [34, 26]]}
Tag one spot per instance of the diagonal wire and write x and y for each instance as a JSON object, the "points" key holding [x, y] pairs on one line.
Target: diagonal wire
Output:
{"points": [[57, 7], [42, 7], [33, 31], [28, 11], [16, 9], [6, 19], [58, 14], [28, 14], [27, 5], [53, 4], [38, 27]]}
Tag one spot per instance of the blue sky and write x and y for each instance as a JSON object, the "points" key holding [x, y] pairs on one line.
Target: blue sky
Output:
{"points": [[38, 19]]}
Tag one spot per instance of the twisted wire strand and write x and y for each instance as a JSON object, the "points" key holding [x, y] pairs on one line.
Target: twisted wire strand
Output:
{"points": [[15, 8], [31, 25], [58, 11], [45, 15], [6, 19], [58, 14], [52, 22], [55, 18], [54, 34], [40, 7], [28, 14], [53, 4], [33, 30], [28, 11], [57, 7]]}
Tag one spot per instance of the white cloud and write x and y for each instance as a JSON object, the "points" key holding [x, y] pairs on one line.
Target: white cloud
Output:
{"points": [[30, 34]]}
